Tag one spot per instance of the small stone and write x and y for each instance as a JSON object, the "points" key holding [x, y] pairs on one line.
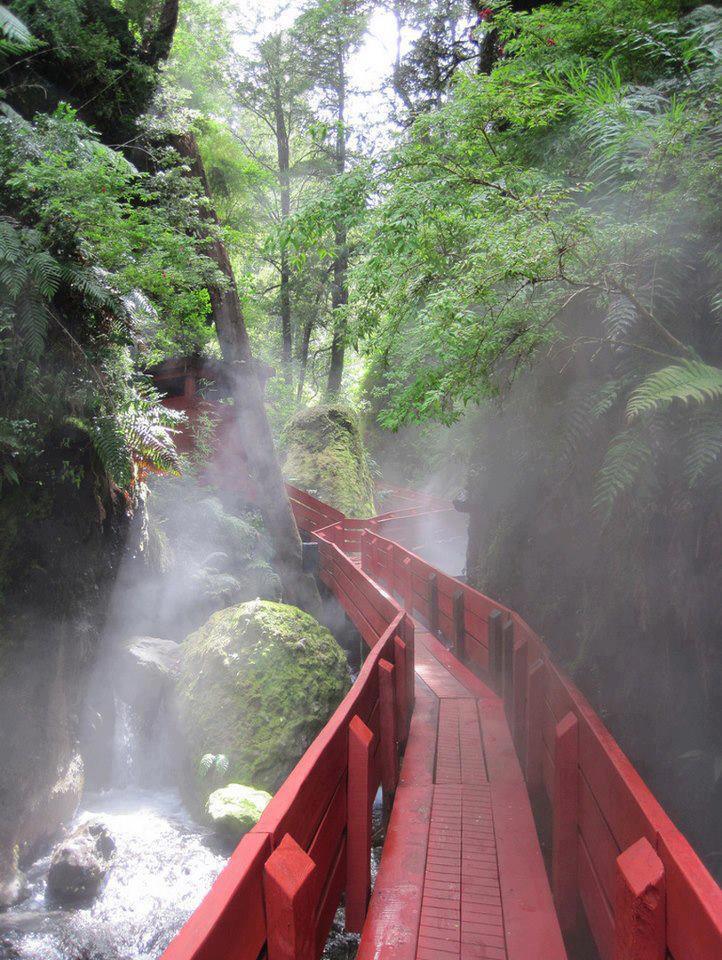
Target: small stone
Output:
{"points": [[80, 863], [236, 809]]}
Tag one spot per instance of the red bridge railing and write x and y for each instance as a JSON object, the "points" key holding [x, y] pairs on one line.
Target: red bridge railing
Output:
{"points": [[616, 857]]}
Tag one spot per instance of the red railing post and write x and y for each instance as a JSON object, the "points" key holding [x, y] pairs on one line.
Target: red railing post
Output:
{"points": [[288, 887], [389, 551], [519, 668], [564, 819], [358, 841], [640, 905], [408, 585], [459, 626], [389, 755], [534, 716], [495, 647], [433, 601], [401, 688], [365, 550], [507, 668], [407, 632]]}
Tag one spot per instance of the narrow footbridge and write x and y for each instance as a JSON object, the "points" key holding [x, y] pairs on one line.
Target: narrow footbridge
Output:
{"points": [[487, 756]]}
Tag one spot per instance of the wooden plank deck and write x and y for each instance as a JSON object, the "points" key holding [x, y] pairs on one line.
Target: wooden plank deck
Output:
{"points": [[461, 875]]}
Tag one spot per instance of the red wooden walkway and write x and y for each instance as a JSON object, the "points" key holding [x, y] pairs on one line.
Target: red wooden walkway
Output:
{"points": [[463, 695]]}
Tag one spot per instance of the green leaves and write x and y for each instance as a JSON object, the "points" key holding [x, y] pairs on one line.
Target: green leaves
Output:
{"points": [[689, 381], [15, 37]]}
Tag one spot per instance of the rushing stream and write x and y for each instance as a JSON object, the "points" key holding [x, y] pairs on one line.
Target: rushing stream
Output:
{"points": [[164, 864]]}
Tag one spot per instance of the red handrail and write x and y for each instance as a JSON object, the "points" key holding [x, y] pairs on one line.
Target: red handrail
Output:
{"points": [[615, 851]]}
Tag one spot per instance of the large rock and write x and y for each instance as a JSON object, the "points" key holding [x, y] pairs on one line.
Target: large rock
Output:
{"points": [[79, 865], [235, 809], [144, 670], [258, 681], [325, 455]]}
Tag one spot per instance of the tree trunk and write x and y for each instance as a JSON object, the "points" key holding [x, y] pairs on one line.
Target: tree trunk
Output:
{"points": [[284, 180], [339, 290], [303, 355], [299, 588], [159, 34]]}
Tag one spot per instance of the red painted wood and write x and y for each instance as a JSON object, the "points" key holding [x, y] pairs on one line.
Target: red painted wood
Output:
{"points": [[401, 678], [358, 844], [519, 683], [613, 808], [595, 905], [534, 741], [288, 880], [640, 905], [389, 756], [564, 843]]}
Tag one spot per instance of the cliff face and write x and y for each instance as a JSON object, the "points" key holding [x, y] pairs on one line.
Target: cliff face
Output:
{"points": [[629, 602], [61, 542]]}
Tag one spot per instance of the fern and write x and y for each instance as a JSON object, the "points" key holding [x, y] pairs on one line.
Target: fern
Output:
{"points": [[14, 35], [621, 317], [705, 447], [627, 456], [690, 381]]}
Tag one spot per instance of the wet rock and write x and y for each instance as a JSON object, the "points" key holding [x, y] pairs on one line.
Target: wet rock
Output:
{"points": [[13, 888], [236, 809], [325, 455], [145, 670], [258, 682], [80, 863]]}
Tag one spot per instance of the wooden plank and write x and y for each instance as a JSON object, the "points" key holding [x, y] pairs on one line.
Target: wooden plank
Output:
{"points": [[640, 905], [694, 900], [601, 846], [564, 814], [596, 908], [288, 882], [392, 923]]}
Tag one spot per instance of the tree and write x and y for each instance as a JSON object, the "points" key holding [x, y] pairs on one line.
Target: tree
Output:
{"points": [[299, 587], [274, 87], [330, 31]]}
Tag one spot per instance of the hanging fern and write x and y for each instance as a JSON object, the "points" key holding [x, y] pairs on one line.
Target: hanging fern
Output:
{"points": [[705, 447], [620, 319], [690, 381], [14, 35], [627, 456]]}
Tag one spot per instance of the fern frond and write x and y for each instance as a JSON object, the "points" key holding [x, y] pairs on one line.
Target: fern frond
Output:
{"points": [[627, 455], [14, 35], [705, 447], [621, 318], [690, 381]]}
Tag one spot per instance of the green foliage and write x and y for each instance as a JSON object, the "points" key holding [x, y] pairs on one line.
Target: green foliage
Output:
{"points": [[95, 259], [14, 35], [213, 765], [690, 382]]}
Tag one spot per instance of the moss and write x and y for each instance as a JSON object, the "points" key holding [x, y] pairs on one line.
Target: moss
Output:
{"points": [[325, 455], [258, 682], [235, 809]]}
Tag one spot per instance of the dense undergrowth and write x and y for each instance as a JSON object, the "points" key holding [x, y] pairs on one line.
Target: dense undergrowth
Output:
{"points": [[514, 278]]}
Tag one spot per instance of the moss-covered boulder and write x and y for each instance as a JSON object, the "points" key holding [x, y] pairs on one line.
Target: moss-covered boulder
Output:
{"points": [[235, 809], [257, 683], [325, 455]]}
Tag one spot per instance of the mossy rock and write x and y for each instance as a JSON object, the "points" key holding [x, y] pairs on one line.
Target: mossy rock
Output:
{"points": [[235, 809], [258, 681], [325, 455]]}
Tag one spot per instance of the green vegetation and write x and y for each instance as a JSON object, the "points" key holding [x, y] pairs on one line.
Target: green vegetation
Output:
{"points": [[503, 261], [258, 681], [325, 455]]}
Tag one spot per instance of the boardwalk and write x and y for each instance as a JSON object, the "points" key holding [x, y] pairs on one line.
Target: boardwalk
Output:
{"points": [[467, 697], [461, 874]]}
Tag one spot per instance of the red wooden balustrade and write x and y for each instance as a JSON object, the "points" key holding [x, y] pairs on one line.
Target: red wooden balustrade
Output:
{"points": [[616, 857]]}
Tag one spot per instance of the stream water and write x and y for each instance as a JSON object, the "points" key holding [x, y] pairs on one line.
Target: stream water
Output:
{"points": [[164, 864]]}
